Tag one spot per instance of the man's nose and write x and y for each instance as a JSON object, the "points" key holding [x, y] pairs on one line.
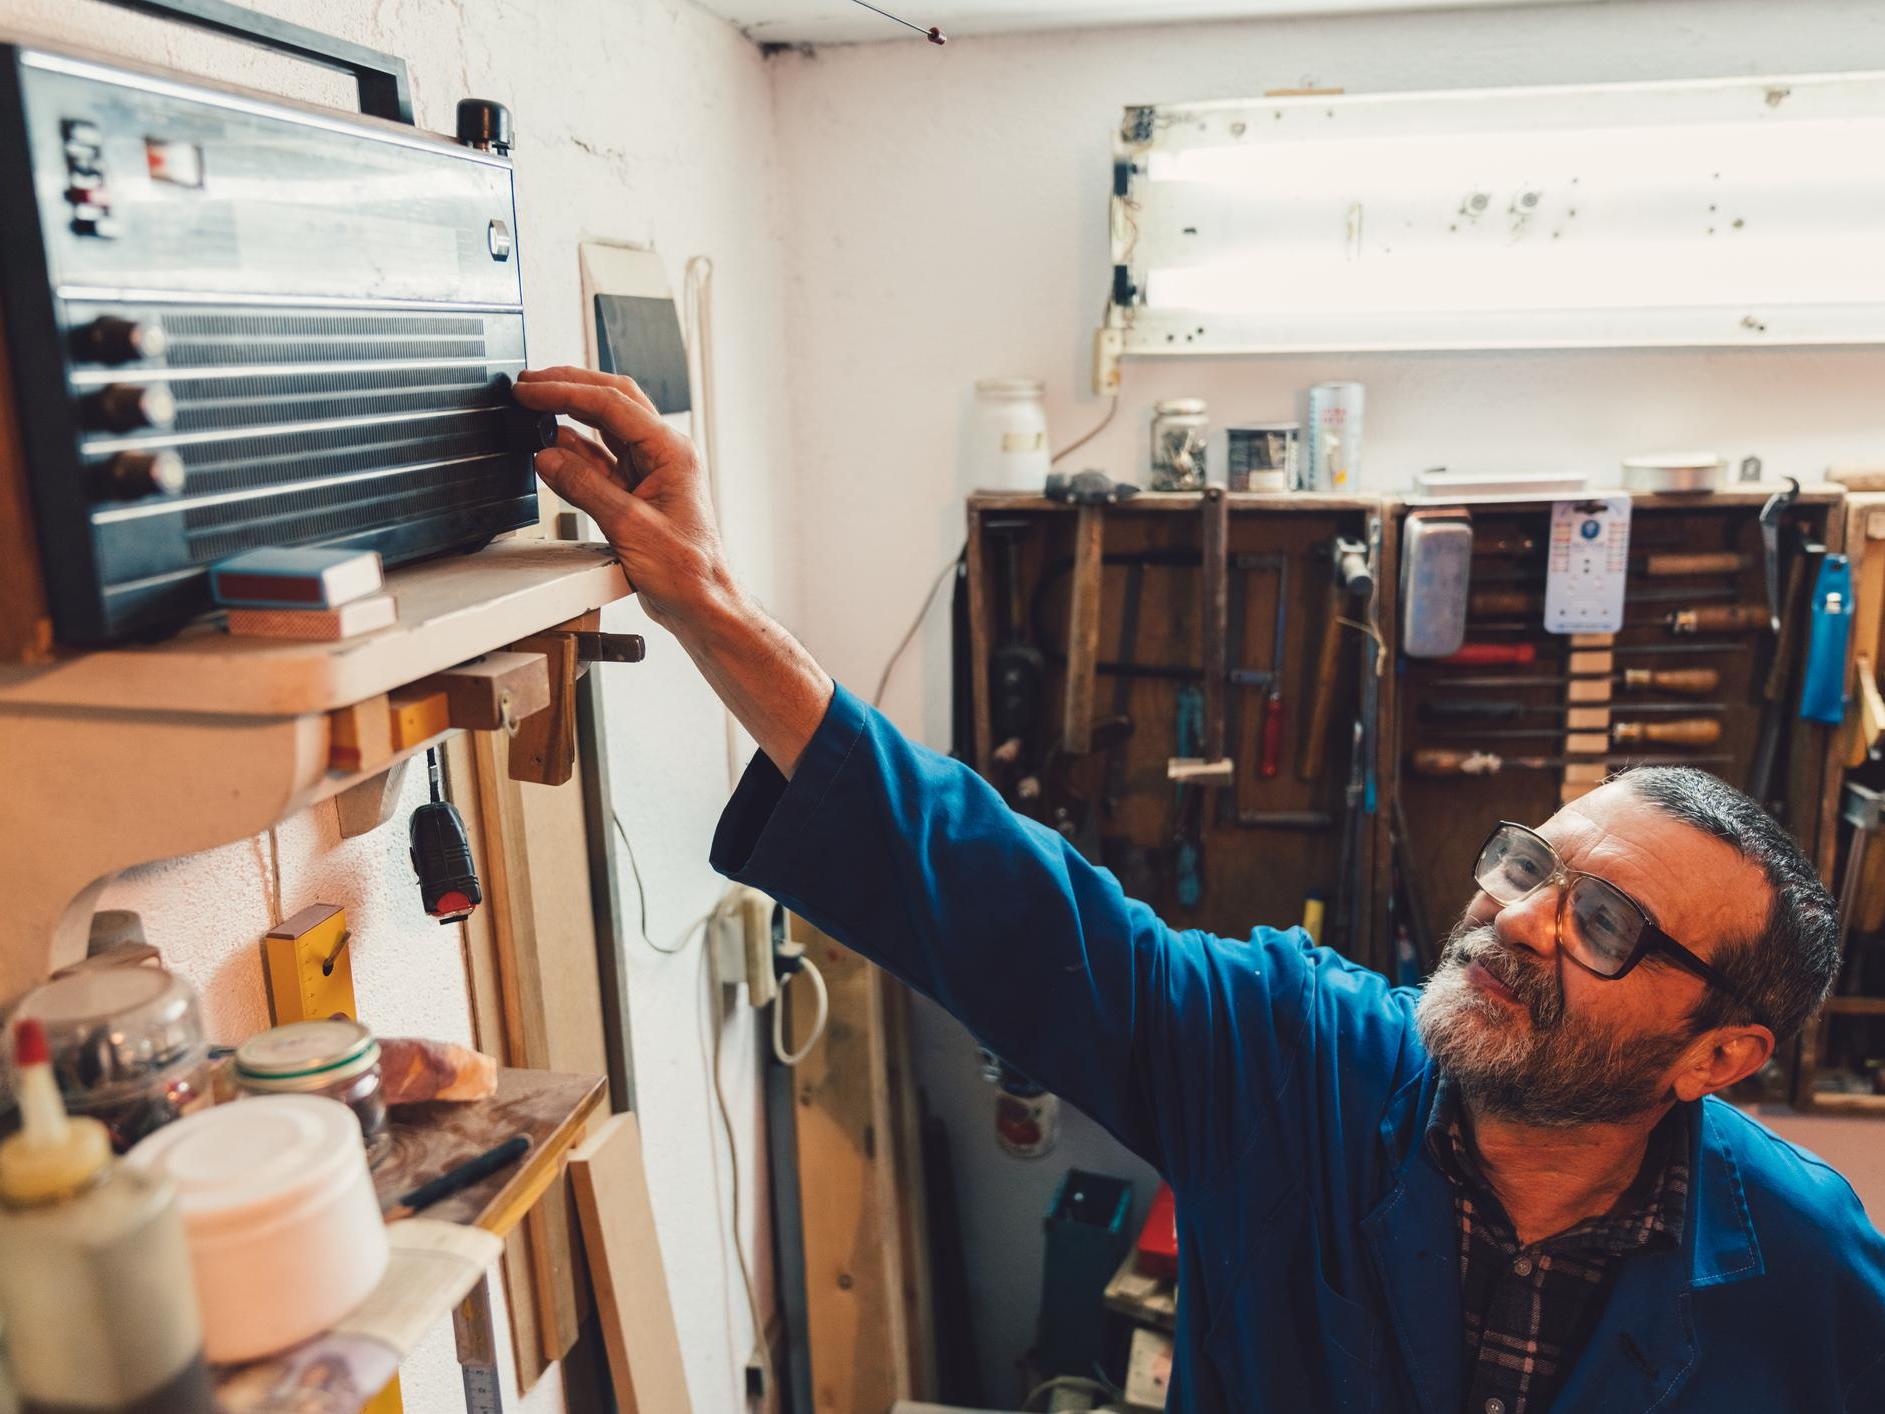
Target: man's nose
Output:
{"points": [[1531, 923]]}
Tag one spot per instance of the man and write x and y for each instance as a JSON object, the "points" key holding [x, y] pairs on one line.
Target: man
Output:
{"points": [[1507, 1193]]}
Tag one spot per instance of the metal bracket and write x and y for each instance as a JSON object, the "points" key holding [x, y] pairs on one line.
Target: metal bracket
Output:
{"points": [[385, 90]]}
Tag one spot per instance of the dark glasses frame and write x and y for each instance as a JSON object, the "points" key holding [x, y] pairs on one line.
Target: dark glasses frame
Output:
{"points": [[1651, 940]]}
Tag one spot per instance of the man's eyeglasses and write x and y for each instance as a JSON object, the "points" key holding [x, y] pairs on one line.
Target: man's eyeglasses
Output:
{"points": [[1601, 928]]}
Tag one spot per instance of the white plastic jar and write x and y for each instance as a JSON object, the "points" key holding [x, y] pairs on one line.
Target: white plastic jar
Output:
{"points": [[284, 1230], [1006, 438]]}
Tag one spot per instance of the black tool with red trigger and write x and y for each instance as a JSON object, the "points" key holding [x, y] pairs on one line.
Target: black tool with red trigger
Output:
{"points": [[441, 855]]}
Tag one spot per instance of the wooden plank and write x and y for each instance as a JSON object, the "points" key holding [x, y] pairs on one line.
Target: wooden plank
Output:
{"points": [[1214, 612], [978, 641], [360, 737], [509, 901], [1083, 632], [425, 1140], [859, 1342], [544, 749], [625, 1266], [25, 620], [911, 1188], [491, 693], [451, 609]]}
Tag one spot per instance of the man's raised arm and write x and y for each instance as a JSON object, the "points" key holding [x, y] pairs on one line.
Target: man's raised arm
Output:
{"points": [[1179, 1043]]}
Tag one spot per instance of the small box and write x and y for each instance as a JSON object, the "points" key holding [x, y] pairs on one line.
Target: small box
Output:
{"points": [[305, 577], [368, 615]]}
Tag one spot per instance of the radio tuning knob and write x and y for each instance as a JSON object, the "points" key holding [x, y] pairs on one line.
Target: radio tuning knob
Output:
{"points": [[109, 339], [484, 124], [126, 407], [131, 475]]}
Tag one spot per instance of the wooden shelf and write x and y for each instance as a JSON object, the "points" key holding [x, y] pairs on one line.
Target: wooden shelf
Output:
{"points": [[429, 1139], [1735, 494], [449, 610], [436, 1262], [127, 755]]}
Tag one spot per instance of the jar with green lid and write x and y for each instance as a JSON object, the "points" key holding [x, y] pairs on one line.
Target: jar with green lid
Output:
{"points": [[337, 1058]]}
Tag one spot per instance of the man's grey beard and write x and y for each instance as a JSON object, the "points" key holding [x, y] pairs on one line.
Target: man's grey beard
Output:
{"points": [[1557, 1071]]}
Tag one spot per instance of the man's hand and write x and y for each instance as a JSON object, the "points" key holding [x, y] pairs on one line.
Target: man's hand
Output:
{"points": [[644, 486], [642, 483]]}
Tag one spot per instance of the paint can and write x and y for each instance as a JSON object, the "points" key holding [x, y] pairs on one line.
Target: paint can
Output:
{"points": [[1179, 427], [1333, 463], [1262, 456]]}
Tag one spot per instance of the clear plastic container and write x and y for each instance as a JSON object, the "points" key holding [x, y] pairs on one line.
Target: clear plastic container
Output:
{"points": [[1007, 436], [127, 1046]]}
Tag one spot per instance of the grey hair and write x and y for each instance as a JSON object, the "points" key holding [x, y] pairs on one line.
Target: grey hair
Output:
{"points": [[1786, 966]]}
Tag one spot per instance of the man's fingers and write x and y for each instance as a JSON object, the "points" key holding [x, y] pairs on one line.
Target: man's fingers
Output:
{"points": [[572, 441], [583, 481], [569, 373], [607, 409]]}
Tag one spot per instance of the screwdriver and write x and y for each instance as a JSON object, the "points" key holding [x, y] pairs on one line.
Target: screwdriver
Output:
{"points": [[1436, 762], [1496, 709], [1484, 603], [1686, 731], [1684, 682], [1477, 655], [1704, 618], [1661, 565]]}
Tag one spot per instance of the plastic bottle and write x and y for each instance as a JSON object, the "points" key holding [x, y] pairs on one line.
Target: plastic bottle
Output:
{"points": [[95, 1285]]}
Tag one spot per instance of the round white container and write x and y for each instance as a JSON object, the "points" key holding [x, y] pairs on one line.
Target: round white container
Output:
{"points": [[1006, 446], [284, 1230]]}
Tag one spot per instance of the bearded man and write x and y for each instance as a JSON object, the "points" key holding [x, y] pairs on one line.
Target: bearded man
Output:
{"points": [[1511, 1192]]}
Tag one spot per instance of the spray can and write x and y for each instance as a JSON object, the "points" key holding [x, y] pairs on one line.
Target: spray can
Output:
{"points": [[1823, 689], [1333, 463]]}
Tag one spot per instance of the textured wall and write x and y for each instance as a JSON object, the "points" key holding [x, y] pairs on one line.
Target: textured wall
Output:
{"points": [[948, 222], [639, 120]]}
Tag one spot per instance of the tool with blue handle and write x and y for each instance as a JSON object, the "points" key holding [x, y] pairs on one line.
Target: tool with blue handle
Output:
{"points": [[1823, 688]]}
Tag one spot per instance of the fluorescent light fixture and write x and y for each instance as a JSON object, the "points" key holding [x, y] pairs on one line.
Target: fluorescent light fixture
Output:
{"points": [[1716, 213]]}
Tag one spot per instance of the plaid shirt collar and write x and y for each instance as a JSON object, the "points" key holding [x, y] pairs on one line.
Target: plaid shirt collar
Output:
{"points": [[1652, 1210]]}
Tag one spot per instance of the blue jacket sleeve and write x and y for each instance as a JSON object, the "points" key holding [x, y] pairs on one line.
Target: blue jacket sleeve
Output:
{"points": [[1180, 1043]]}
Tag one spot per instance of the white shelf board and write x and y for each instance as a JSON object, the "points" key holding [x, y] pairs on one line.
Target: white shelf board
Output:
{"points": [[450, 609]]}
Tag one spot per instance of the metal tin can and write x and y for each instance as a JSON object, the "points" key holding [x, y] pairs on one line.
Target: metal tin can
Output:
{"points": [[1179, 427], [1261, 456], [1334, 460], [338, 1059]]}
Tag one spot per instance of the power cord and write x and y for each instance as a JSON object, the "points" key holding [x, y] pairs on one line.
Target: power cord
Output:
{"points": [[1112, 411], [641, 895], [794, 964], [909, 636]]}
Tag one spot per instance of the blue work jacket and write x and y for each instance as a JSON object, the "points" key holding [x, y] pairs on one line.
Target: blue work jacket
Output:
{"points": [[1284, 1093]]}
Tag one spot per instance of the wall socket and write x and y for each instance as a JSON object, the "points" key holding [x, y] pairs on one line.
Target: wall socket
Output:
{"points": [[741, 931]]}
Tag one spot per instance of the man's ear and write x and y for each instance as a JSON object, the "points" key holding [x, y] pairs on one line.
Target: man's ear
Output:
{"points": [[1721, 1057]]}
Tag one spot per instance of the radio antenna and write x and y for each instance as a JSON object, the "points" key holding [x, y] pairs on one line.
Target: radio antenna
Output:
{"points": [[932, 34]]}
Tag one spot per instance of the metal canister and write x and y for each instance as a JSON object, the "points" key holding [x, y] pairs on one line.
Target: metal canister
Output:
{"points": [[336, 1058], [1179, 427], [1261, 456], [1333, 462]]}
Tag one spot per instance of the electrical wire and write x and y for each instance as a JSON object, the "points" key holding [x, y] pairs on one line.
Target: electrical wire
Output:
{"points": [[823, 1014], [733, 1158], [641, 894], [274, 875], [909, 634], [1112, 410]]}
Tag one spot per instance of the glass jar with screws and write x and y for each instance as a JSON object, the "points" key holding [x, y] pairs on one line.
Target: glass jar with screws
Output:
{"points": [[336, 1058], [1179, 427]]}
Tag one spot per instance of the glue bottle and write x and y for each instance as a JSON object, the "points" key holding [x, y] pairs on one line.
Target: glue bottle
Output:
{"points": [[95, 1288]]}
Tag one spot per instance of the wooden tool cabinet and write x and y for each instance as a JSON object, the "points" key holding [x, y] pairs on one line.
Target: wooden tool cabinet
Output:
{"points": [[1416, 874]]}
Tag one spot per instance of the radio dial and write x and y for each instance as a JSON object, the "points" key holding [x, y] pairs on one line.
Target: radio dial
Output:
{"points": [[126, 407], [132, 475], [109, 339]]}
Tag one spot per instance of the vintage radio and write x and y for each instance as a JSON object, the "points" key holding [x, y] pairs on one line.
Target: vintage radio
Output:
{"points": [[233, 322]]}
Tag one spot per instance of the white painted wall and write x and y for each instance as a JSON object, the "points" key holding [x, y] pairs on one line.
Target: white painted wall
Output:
{"points": [[640, 120], [948, 222]]}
